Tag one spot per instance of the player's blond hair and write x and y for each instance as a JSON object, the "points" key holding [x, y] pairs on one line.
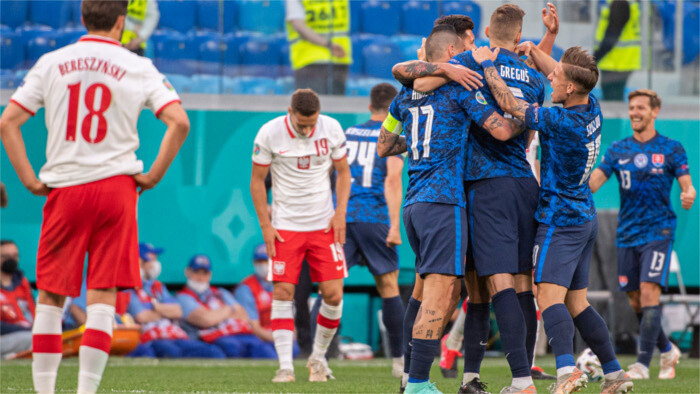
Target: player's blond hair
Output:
{"points": [[580, 68], [654, 99], [506, 23]]}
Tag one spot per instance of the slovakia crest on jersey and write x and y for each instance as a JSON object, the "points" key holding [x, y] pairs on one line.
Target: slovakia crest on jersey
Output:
{"points": [[623, 280], [641, 160], [304, 162], [657, 159]]}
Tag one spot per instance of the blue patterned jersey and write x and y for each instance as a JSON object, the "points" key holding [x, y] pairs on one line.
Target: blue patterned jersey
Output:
{"points": [[645, 172], [435, 126], [570, 141], [367, 203], [487, 156]]}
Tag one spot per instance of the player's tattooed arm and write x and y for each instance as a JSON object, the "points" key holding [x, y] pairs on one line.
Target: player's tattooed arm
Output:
{"points": [[502, 128], [504, 97], [408, 72], [390, 144]]}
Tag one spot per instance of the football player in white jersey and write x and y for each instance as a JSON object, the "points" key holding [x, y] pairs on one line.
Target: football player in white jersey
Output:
{"points": [[93, 92], [301, 149]]}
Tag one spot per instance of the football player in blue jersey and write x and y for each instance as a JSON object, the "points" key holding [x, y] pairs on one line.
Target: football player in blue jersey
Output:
{"points": [[502, 198], [645, 165], [373, 215], [434, 207], [568, 225]]}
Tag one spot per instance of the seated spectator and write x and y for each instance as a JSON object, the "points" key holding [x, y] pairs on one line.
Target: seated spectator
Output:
{"points": [[74, 311], [157, 312], [212, 315], [16, 303], [254, 294]]}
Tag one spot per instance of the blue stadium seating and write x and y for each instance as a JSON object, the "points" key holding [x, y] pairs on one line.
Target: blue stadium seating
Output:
{"points": [[55, 13], [13, 13], [208, 14], [251, 85], [209, 84], [75, 12], [380, 57], [181, 83], [178, 15], [69, 35], [355, 16], [691, 27], [285, 63], [210, 57], [464, 7], [359, 42], [37, 47], [11, 51], [409, 45], [481, 42], [176, 54], [285, 85], [8, 79], [260, 56], [230, 16], [418, 17], [363, 86], [266, 16], [231, 53], [381, 17]]}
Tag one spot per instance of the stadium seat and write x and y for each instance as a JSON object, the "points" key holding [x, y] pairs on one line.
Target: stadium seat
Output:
{"points": [[207, 84], [181, 83], [178, 15], [11, 51], [409, 45], [69, 35], [251, 85], [285, 63], [380, 57], [208, 14], [266, 16], [691, 27], [285, 85], [418, 17], [38, 46], [210, 51], [54, 13], [230, 16], [355, 16], [9, 79], [231, 53], [464, 7], [381, 17], [359, 42], [260, 56], [363, 86], [75, 12], [176, 54], [13, 13]]}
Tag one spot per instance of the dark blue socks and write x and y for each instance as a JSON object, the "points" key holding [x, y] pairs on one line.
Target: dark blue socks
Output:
{"points": [[649, 329], [409, 319], [527, 304], [510, 318], [560, 333], [392, 317], [422, 357], [594, 331], [662, 342], [477, 325], [314, 316]]}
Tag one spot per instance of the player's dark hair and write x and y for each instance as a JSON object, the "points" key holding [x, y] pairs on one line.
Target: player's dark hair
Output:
{"points": [[381, 96], [101, 15], [461, 23], [654, 99], [580, 68], [305, 102], [439, 39], [7, 242], [506, 22]]}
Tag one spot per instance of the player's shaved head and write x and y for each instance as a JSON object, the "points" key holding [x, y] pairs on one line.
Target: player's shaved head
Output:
{"points": [[101, 15], [506, 23], [381, 96], [439, 40], [305, 102], [580, 68], [461, 23]]}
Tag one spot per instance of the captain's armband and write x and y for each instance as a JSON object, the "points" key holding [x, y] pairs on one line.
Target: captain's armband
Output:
{"points": [[392, 125]]}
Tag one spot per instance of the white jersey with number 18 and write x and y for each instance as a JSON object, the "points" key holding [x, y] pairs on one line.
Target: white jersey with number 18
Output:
{"points": [[93, 92]]}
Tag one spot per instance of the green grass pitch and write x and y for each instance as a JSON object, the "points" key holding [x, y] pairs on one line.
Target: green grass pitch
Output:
{"points": [[246, 376]]}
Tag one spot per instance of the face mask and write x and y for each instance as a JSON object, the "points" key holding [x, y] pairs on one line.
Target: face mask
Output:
{"points": [[9, 266], [198, 287], [261, 270], [154, 271]]}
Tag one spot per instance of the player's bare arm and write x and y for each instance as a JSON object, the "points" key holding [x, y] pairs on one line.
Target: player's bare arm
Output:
{"points": [[550, 19], [342, 193], [393, 192], [541, 60], [175, 117], [390, 144], [408, 72], [504, 97], [687, 191], [597, 179], [501, 128], [10, 123], [259, 195]]}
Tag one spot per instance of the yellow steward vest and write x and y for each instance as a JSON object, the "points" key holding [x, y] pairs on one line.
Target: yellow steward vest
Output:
{"points": [[329, 18], [135, 10], [626, 55]]}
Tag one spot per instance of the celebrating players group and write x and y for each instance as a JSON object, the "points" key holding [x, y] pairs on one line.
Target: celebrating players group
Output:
{"points": [[473, 208]]}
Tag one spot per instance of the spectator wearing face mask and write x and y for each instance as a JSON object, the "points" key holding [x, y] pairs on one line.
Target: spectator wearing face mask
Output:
{"points": [[211, 314], [158, 312], [16, 303], [254, 294]]}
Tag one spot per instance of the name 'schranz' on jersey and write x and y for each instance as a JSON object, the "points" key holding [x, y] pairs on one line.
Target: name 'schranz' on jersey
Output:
{"points": [[93, 92]]}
